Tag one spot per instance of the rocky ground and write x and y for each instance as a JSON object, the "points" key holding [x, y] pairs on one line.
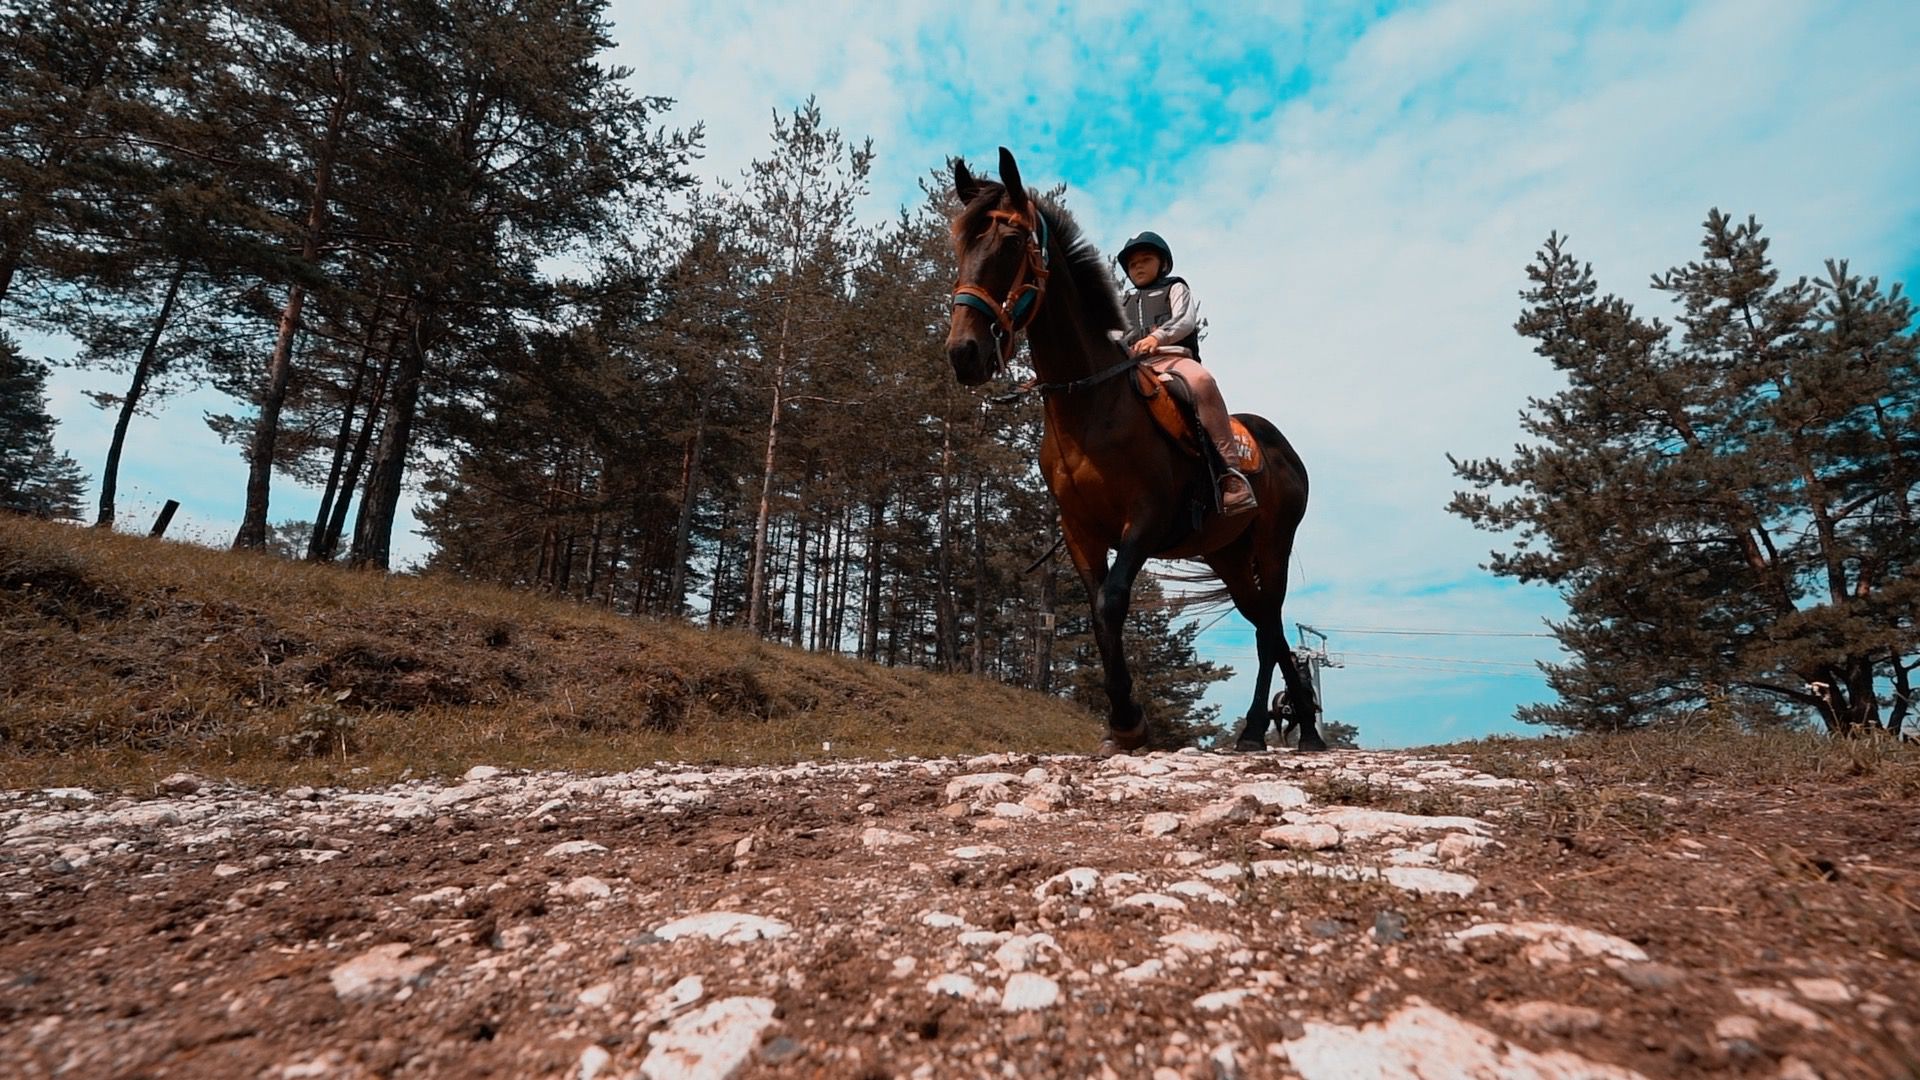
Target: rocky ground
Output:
{"points": [[1164, 916]]}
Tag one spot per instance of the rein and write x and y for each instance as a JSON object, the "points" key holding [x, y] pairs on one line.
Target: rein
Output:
{"points": [[1015, 313]]}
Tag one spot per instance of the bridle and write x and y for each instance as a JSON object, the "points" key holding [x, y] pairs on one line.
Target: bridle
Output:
{"points": [[1014, 314]]}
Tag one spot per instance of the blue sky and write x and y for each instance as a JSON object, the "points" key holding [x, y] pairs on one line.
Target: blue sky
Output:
{"points": [[1354, 193]]}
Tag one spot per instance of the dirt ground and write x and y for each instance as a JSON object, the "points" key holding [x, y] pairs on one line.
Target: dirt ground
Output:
{"points": [[1168, 916]]}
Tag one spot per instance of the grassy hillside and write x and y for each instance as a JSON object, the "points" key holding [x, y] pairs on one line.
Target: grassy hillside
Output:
{"points": [[123, 658]]}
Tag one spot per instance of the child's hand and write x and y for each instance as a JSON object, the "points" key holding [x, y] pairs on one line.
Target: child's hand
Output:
{"points": [[1146, 345]]}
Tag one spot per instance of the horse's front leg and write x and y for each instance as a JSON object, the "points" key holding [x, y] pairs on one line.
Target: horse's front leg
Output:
{"points": [[1110, 589]]}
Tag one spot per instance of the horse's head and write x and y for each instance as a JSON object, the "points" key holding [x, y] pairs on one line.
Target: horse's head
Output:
{"points": [[1000, 239]]}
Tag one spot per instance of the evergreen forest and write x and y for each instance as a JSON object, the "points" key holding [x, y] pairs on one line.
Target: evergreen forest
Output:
{"points": [[439, 246]]}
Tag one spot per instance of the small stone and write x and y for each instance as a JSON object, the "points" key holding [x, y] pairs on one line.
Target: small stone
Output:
{"points": [[71, 798], [575, 847], [1793, 1068], [1777, 1004], [1221, 1000], [1199, 890], [1028, 991], [1456, 848], [1229, 811], [1551, 1017], [1194, 939], [980, 851], [1651, 976], [726, 927], [1730, 1028], [597, 995], [443, 897], [1272, 793], [1153, 901], [378, 972], [876, 837], [1079, 881], [1161, 824], [586, 887], [592, 1060], [709, 1044], [1314, 837], [994, 786], [781, 1049], [1824, 991], [1426, 882], [481, 772], [227, 870], [302, 794], [1389, 927], [182, 783], [953, 984], [1013, 810]]}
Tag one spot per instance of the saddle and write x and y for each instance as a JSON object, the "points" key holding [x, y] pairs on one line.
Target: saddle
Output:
{"points": [[1170, 404]]}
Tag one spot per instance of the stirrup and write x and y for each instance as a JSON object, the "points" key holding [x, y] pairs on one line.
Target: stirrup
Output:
{"points": [[1252, 502]]}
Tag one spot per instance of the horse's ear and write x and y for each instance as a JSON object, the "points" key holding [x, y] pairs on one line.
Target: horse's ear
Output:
{"points": [[965, 184], [1010, 176]]}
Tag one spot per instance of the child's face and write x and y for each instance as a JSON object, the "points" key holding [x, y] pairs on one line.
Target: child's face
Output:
{"points": [[1143, 267]]}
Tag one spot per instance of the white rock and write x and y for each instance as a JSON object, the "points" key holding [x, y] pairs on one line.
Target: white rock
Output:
{"points": [[1419, 1041], [726, 927], [1228, 811], [1272, 793], [71, 798], [1199, 890], [1551, 1017], [227, 870], [1153, 901], [978, 851], [671, 1000], [1195, 939], [378, 972], [597, 995], [1223, 872], [1315, 837], [1020, 951], [481, 772], [1825, 991], [710, 1043], [994, 785], [1428, 882], [1221, 1000], [586, 887], [1160, 824], [575, 847], [1363, 824], [941, 920], [1028, 991], [1729, 1028], [146, 816], [1552, 943], [953, 984], [593, 1059], [1046, 798], [1013, 810], [1141, 972], [875, 837], [1456, 848], [1780, 1006], [1079, 881], [445, 896]]}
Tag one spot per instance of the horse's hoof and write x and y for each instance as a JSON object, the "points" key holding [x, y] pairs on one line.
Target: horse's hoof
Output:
{"points": [[1312, 743], [1108, 748], [1123, 742], [1249, 746]]}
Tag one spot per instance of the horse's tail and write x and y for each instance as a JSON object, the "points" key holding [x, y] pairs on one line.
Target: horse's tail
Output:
{"points": [[1206, 596]]}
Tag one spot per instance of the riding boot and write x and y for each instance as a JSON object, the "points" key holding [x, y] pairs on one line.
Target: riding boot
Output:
{"points": [[1236, 495]]}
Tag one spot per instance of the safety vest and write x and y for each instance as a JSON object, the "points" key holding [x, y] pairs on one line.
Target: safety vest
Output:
{"points": [[1150, 307]]}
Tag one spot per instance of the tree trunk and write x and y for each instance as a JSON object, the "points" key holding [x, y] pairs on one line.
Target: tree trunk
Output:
{"points": [[362, 443], [979, 577], [143, 372], [1043, 647], [266, 428], [683, 526], [945, 616], [373, 534], [756, 606], [802, 533], [870, 609], [1902, 696], [343, 442]]}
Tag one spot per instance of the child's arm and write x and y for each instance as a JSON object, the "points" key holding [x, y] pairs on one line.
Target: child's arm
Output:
{"points": [[1185, 318]]}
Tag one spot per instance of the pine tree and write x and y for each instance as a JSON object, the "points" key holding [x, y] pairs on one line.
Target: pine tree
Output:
{"points": [[1169, 677], [1729, 511], [34, 478]]}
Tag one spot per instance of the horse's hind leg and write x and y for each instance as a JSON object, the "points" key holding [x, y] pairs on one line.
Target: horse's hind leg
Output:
{"points": [[1255, 574]]}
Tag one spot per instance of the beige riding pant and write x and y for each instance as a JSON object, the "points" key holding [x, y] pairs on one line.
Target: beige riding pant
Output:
{"points": [[1206, 398]]}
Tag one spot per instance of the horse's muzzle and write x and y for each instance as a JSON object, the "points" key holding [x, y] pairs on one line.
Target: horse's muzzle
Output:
{"points": [[973, 359]]}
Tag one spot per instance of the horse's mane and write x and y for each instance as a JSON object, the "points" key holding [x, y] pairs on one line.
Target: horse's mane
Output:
{"points": [[1084, 263]]}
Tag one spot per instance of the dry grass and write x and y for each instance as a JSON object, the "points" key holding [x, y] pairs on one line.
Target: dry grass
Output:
{"points": [[1676, 758], [126, 658]]}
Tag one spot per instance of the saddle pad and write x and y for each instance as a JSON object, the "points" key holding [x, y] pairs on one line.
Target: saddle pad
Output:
{"points": [[1167, 412]]}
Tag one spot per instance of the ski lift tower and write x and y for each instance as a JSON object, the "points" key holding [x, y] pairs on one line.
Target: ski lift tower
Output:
{"points": [[1313, 658]]}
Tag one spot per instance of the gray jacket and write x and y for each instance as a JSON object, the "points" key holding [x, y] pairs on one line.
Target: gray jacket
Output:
{"points": [[1165, 309]]}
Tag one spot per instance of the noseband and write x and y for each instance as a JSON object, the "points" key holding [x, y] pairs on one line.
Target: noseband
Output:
{"points": [[1015, 313]]}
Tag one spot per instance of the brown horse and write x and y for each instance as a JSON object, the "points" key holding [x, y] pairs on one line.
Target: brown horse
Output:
{"points": [[1122, 484]]}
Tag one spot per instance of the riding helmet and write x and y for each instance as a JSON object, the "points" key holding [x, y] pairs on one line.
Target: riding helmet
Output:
{"points": [[1152, 242]]}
